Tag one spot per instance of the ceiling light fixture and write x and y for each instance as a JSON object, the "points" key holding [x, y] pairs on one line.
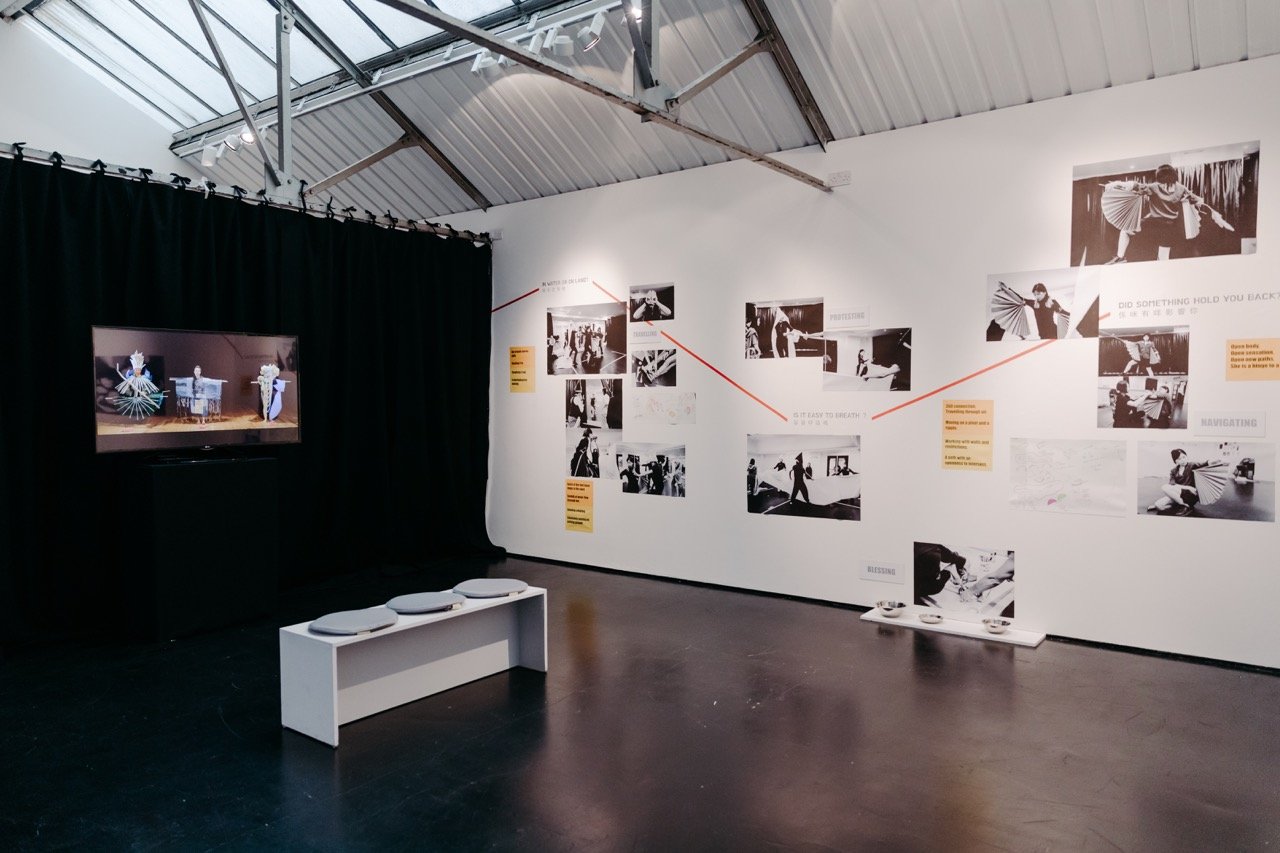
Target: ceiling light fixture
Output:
{"points": [[247, 135], [485, 64], [556, 42], [210, 155], [589, 36]]}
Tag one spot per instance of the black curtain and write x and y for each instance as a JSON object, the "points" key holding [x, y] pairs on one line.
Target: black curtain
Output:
{"points": [[394, 343]]}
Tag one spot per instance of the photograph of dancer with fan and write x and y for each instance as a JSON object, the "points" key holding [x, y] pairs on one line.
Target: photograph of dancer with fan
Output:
{"points": [[1142, 378], [1204, 481], [1042, 305], [1166, 206]]}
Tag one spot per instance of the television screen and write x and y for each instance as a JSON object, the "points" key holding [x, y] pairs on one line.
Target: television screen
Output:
{"points": [[167, 389]]}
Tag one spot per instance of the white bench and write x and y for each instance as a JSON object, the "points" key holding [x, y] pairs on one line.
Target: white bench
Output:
{"points": [[328, 681]]}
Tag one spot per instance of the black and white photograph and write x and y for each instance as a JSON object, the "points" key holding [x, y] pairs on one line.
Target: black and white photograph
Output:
{"points": [[814, 476], [964, 579], [588, 450], [651, 469], [866, 360], [654, 368], [1207, 479], [1142, 402], [652, 303], [587, 339], [1146, 351], [1186, 204], [596, 403], [785, 328], [1042, 305]]}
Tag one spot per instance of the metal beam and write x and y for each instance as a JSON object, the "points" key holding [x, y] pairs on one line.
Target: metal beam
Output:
{"points": [[377, 156], [639, 47], [790, 72], [235, 89], [328, 46], [364, 80], [420, 139], [760, 45], [395, 67], [521, 56], [17, 7], [284, 131]]}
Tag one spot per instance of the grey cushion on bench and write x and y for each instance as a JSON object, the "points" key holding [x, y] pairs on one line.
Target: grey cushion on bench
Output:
{"points": [[425, 602], [490, 587], [354, 621]]}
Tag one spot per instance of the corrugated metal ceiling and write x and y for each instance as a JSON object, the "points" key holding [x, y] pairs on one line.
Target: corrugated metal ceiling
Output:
{"points": [[872, 65]]}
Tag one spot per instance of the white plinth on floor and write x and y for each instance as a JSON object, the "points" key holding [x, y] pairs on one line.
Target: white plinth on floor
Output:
{"points": [[959, 625]]}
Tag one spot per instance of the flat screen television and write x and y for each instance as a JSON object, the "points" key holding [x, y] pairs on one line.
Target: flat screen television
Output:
{"points": [[170, 389]]}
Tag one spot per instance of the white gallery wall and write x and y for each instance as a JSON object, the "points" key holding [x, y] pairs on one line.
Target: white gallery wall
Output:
{"points": [[52, 104], [929, 213]]}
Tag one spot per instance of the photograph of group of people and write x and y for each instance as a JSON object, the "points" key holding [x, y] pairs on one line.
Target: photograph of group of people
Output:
{"points": [[1142, 377], [866, 360], [651, 469], [1207, 479], [1166, 206], [590, 342], [1042, 305], [964, 579], [785, 328], [815, 476], [587, 339]]}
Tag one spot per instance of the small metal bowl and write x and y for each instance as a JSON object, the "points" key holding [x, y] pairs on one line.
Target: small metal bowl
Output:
{"points": [[997, 626], [890, 608], [930, 618]]}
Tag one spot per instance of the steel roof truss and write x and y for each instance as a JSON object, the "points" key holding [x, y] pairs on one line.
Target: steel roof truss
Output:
{"points": [[196, 8], [522, 56], [689, 92], [362, 79], [790, 71], [396, 67], [361, 164]]}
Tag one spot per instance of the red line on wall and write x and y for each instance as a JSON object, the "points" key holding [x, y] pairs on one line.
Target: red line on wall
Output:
{"points": [[708, 365], [976, 373], [722, 375], [514, 301], [605, 292]]}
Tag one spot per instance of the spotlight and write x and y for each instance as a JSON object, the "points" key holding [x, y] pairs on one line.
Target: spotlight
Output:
{"points": [[485, 64], [232, 141], [535, 43], [589, 36], [210, 155], [247, 135], [562, 46], [636, 10]]}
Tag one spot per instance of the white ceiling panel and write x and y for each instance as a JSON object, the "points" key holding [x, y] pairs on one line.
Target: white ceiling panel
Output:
{"points": [[1219, 31], [870, 65]]}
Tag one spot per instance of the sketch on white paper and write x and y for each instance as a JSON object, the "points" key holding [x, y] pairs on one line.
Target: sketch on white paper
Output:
{"points": [[654, 405], [1081, 477]]}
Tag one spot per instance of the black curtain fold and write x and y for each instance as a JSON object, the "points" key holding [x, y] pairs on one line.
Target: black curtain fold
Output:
{"points": [[394, 343]]}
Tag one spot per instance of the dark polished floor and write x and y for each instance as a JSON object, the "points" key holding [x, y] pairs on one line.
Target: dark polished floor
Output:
{"points": [[673, 718]]}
